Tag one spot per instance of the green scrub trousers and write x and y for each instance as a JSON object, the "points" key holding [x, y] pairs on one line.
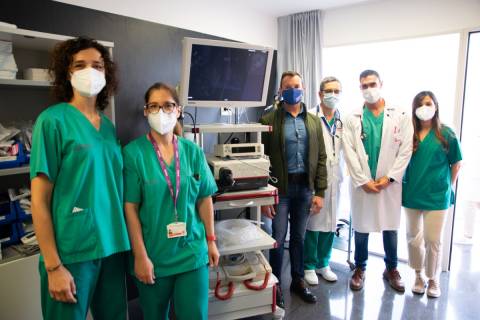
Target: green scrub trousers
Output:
{"points": [[100, 286], [189, 291], [317, 249]]}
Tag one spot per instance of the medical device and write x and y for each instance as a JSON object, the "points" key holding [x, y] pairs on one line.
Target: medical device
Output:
{"points": [[239, 174], [236, 150], [224, 74], [247, 268]]}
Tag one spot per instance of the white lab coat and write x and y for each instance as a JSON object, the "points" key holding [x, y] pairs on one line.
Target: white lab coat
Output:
{"points": [[326, 219], [378, 212]]}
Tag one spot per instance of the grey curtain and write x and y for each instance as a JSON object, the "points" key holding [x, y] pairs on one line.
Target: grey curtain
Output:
{"points": [[299, 49]]}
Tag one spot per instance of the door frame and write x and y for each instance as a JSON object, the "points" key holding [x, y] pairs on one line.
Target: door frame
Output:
{"points": [[458, 123]]}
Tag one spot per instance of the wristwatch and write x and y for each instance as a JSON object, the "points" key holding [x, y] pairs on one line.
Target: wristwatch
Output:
{"points": [[211, 237]]}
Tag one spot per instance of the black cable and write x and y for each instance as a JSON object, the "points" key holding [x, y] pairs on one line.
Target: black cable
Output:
{"points": [[194, 126], [229, 137]]}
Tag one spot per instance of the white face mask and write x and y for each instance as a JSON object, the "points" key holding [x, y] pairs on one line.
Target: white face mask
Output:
{"points": [[331, 100], [88, 82], [371, 95], [162, 122], [425, 113]]}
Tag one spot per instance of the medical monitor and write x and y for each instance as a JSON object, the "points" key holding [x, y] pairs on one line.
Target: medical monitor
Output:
{"points": [[224, 74]]}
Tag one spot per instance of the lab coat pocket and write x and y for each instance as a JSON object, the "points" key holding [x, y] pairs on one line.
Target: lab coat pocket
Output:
{"points": [[76, 233]]}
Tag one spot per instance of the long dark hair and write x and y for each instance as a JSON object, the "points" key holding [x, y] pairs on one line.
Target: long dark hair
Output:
{"points": [[436, 125], [61, 60]]}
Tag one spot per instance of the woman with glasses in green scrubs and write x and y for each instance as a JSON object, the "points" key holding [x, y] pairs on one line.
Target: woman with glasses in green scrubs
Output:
{"points": [[427, 190], [169, 211], [77, 189]]}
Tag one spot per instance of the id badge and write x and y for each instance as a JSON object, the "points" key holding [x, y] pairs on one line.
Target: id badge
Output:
{"points": [[176, 229]]}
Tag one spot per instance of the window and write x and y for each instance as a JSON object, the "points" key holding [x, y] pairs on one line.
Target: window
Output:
{"points": [[406, 68]]}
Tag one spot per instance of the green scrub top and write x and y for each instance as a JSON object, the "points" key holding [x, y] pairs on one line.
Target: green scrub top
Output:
{"points": [[427, 184], [85, 166], [372, 127], [146, 185]]}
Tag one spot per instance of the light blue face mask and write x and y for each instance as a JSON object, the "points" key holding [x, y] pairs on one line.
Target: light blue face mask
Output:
{"points": [[331, 100], [292, 95]]}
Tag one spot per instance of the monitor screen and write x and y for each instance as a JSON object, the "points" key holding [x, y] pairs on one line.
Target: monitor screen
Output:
{"points": [[222, 73]]}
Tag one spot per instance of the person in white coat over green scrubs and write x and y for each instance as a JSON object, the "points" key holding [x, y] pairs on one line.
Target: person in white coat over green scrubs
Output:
{"points": [[321, 227], [377, 144]]}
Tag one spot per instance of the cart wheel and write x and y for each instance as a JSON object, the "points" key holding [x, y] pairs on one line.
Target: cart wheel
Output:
{"points": [[351, 265]]}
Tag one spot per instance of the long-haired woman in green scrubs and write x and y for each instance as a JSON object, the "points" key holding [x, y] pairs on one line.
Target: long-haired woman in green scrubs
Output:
{"points": [[427, 190], [169, 210], [77, 189]]}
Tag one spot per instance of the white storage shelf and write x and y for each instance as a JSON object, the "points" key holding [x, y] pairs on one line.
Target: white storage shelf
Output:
{"points": [[22, 82], [264, 243], [13, 171], [244, 302], [227, 128], [28, 39]]}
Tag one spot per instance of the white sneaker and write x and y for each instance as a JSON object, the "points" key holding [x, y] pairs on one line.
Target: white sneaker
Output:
{"points": [[419, 285], [433, 290], [311, 277], [327, 274]]}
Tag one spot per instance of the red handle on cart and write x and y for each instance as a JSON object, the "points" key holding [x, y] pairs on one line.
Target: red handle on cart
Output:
{"points": [[249, 285], [228, 294]]}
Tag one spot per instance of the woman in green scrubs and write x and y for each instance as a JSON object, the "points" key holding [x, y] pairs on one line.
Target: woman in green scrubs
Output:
{"points": [[77, 189], [169, 211], [427, 190]]}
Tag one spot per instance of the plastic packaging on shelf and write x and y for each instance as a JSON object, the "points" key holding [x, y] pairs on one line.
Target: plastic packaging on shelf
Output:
{"points": [[8, 66], [234, 231]]}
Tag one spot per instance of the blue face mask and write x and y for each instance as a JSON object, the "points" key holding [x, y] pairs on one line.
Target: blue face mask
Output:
{"points": [[292, 95]]}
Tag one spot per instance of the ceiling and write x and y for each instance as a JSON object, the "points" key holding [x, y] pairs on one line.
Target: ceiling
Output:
{"points": [[279, 8]]}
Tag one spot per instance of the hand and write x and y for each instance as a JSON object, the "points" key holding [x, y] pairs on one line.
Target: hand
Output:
{"points": [[317, 204], [61, 285], [370, 187], [268, 211], [144, 270], [382, 183], [213, 254]]}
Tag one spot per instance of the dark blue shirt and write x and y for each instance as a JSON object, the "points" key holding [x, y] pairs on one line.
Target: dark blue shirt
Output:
{"points": [[296, 142]]}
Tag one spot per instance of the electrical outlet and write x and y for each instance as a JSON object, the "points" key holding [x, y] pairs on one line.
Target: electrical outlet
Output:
{"points": [[226, 112]]}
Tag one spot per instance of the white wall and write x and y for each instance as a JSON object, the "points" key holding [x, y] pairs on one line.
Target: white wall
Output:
{"points": [[397, 19], [228, 19]]}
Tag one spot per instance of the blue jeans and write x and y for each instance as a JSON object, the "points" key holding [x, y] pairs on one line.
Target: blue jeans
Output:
{"points": [[295, 206], [390, 240]]}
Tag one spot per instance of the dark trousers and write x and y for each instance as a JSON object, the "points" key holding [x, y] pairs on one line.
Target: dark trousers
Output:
{"points": [[293, 207], [390, 239]]}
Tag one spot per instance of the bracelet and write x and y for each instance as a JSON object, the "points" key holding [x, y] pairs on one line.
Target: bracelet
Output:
{"points": [[54, 268], [211, 238]]}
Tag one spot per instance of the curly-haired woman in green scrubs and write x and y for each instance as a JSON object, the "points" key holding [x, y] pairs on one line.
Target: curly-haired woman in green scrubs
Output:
{"points": [[169, 210], [77, 189]]}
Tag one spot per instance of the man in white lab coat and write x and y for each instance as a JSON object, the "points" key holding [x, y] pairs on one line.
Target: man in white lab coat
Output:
{"points": [[321, 227], [377, 146]]}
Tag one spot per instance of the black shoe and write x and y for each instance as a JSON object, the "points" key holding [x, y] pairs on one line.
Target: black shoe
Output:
{"points": [[279, 298], [301, 289]]}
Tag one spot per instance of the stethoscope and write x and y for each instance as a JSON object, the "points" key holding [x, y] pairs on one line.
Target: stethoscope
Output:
{"points": [[337, 124], [363, 134]]}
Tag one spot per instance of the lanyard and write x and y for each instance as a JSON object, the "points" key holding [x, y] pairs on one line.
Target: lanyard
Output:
{"points": [[173, 194]]}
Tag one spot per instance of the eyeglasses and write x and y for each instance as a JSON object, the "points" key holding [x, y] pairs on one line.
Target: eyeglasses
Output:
{"points": [[154, 107], [336, 91], [368, 85]]}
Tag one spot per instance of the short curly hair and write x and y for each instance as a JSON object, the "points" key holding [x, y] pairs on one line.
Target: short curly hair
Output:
{"points": [[61, 60]]}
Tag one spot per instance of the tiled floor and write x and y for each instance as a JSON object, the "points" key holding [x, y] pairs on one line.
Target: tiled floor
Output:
{"points": [[460, 293]]}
